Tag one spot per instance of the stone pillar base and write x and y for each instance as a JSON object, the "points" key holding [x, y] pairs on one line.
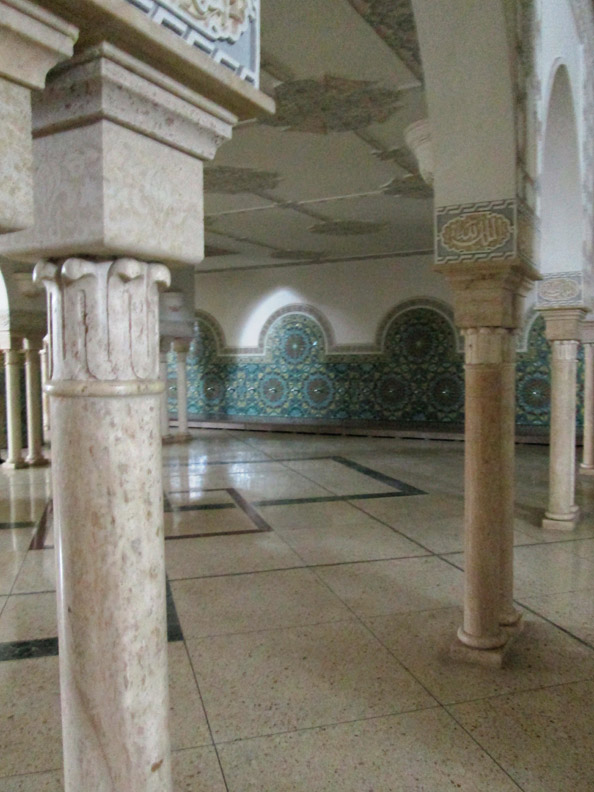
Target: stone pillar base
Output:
{"points": [[37, 462], [586, 470], [491, 658], [9, 465], [561, 522], [185, 437]]}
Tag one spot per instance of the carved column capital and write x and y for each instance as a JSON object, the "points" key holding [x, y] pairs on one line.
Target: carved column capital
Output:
{"points": [[564, 324], [103, 319]]}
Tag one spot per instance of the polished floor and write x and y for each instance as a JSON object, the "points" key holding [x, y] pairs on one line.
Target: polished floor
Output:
{"points": [[314, 588]]}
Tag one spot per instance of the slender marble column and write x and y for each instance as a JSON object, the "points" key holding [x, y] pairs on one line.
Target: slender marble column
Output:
{"points": [[587, 465], [45, 408], [34, 456], [488, 480], [166, 435], [181, 349], [12, 368], [108, 506], [563, 331]]}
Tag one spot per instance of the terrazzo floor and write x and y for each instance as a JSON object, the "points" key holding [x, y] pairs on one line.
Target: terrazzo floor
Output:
{"points": [[314, 588]]}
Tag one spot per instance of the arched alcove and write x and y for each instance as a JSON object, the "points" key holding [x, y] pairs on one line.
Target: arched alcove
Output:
{"points": [[561, 197]]}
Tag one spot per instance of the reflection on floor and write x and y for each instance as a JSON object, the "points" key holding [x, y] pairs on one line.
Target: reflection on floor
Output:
{"points": [[314, 587]]}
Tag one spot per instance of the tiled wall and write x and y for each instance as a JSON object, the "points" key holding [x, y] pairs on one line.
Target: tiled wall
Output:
{"points": [[417, 378]]}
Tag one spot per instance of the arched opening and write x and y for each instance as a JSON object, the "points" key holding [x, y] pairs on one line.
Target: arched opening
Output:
{"points": [[561, 207]]}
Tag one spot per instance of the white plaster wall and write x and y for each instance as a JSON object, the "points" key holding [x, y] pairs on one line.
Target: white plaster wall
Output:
{"points": [[353, 296]]}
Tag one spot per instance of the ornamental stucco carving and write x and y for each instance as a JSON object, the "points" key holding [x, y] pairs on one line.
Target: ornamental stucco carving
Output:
{"points": [[103, 318], [221, 19], [479, 231], [230, 180], [559, 289]]}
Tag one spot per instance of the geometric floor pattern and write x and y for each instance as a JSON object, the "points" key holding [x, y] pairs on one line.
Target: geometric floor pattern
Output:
{"points": [[314, 586]]}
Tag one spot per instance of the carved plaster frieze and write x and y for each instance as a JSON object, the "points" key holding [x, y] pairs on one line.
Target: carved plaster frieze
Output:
{"points": [[103, 318], [220, 19], [476, 232], [560, 289]]}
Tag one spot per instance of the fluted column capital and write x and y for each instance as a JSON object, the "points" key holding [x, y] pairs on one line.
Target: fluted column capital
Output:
{"points": [[103, 319], [564, 324]]}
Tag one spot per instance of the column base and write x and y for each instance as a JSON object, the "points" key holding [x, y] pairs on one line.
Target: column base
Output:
{"points": [[561, 522], [491, 658], [182, 438], [586, 470], [14, 465], [510, 620], [37, 462]]}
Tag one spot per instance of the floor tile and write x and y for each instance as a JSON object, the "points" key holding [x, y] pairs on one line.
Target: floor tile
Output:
{"points": [[35, 782], [265, 600], [542, 738], [571, 610], [15, 539], [225, 555], [187, 718], [338, 478], [38, 572], [10, 563], [278, 680], [541, 656], [196, 770], [407, 584], [29, 616], [357, 537], [416, 752], [207, 521], [30, 731]]}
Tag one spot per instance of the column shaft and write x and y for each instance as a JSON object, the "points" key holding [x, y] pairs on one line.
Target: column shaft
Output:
{"points": [[13, 409], [105, 407], [45, 407], [488, 486], [587, 466], [34, 456], [562, 512], [165, 429], [182, 394]]}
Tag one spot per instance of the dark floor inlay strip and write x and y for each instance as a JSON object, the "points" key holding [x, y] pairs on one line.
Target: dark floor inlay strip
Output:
{"points": [[24, 650], [326, 499], [249, 510], [9, 525], [43, 526], [174, 630], [200, 507], [406, 489]]}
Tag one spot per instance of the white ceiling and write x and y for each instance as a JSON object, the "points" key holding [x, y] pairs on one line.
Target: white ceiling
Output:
{"points": [[309, 184]]}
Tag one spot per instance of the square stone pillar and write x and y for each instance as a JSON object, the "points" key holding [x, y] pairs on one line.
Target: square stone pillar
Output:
{"points": [[32, 41], [587, 464], [119, 147]]}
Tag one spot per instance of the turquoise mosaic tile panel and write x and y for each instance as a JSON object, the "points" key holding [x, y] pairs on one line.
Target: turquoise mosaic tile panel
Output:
{"points": [[418, 377]]}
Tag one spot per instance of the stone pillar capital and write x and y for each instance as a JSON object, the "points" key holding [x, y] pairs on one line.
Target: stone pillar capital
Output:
{"points": [[488, 293], [181, 346], [164, 345], [588, 332], [33, 344], [103, 319], [564, 324]]}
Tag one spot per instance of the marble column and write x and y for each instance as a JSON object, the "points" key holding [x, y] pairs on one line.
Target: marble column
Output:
{"points": [[119, 149], [32, 350], [12, 374], [488, 298], [45, 408], [587, 464], [166, 435], [108, 512], [181, 350], [563, 330]]}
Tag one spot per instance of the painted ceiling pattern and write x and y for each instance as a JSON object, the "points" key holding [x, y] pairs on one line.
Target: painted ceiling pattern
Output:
{"points": [[331, 104], [328, 178], [394, 22]]}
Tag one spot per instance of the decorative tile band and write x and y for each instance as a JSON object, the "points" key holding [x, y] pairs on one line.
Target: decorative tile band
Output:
{"points": [[479, 231], [416, 376]]}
